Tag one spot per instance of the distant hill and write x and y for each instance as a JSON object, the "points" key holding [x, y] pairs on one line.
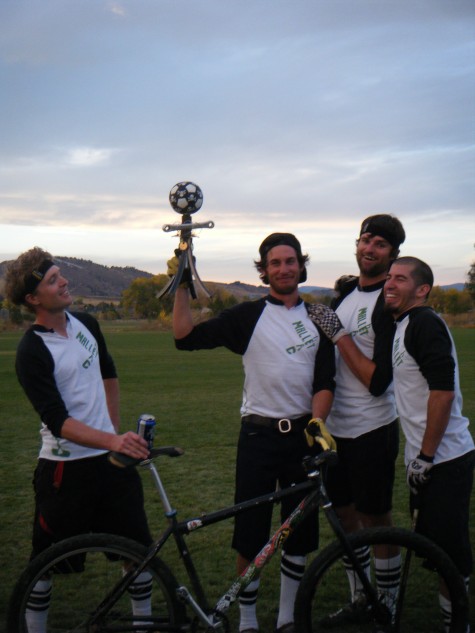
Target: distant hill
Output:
{"points": [[458, 287], [94, 281]]}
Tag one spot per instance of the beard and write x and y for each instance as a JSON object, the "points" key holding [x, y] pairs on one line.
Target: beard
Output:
{"points": [[284, 288], [371, 269]]}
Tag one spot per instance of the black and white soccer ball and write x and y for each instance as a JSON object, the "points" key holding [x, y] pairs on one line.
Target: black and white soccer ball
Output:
{"points": [[186, 197]]}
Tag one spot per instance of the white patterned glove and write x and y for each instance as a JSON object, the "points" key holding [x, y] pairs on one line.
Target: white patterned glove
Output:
{"points": [[327, 320], [418, 472]]}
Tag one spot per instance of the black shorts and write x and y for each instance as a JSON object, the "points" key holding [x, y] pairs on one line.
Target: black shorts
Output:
{"points": [[267, 458], [444, 509], [364, 475], [87, 495]]}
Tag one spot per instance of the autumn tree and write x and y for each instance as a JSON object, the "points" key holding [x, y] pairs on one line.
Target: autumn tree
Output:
{"points": [[141, 297], [470, 284]]}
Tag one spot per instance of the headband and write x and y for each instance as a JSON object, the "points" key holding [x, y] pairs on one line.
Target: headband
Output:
{"points": [[282, 239], [36, 276], [383, 230], [279, 239]]}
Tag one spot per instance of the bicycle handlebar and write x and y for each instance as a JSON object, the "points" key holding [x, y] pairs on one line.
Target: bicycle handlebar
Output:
{"points": [[311, 462], [124, 461]]}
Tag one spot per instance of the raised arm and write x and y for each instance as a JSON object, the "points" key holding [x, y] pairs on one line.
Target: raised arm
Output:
{"points": [[182, 317]]}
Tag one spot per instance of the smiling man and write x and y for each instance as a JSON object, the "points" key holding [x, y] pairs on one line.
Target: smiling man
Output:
{"points": [[67, 373], [439, 453], [289, 368], [365, 426]]}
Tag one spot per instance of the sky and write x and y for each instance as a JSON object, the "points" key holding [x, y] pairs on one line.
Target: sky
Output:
{"points": [[302, 116]]}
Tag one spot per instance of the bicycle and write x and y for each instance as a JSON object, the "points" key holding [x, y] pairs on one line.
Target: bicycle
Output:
{"points": [[90, 589]]}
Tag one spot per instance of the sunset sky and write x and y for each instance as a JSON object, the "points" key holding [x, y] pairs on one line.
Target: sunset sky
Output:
{"points": [[292, 115]]}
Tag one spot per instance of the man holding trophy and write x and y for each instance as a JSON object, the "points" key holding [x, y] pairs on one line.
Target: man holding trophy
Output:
{"points": [[289, 368]]}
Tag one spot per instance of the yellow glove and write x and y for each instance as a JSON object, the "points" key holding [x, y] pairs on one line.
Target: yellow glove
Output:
{"points": [[172, 266], [172, 270], [316, 433]]}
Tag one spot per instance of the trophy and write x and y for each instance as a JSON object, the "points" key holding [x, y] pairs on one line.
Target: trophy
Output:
{"points": [[186, 198]]}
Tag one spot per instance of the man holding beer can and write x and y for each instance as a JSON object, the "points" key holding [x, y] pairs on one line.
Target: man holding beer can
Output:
{"points": [[67, 373]]}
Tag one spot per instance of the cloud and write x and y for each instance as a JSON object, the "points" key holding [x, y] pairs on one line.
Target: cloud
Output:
{"points": [[117, 9], [88, 156]]}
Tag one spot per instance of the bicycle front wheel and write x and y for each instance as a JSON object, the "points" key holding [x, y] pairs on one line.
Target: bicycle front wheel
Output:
{"points": [[409, 599], [84, 572]]}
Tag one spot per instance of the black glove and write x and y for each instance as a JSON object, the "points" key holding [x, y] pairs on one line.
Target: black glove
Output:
{"points": [[328, 321], [418, 472]]}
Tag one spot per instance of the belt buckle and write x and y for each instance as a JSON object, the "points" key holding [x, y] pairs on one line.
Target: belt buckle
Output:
{"points": [[284, 425]]}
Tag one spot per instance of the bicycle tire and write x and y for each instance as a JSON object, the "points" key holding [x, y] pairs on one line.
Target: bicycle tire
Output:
{"points": [[324, 588], [84, 569]]}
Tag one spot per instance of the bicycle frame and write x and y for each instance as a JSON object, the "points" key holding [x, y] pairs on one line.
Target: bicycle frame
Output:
{"points": [[213, 618]]}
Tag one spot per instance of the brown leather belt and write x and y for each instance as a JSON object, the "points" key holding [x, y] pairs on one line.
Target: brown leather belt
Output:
{"points": [[283, 425]]}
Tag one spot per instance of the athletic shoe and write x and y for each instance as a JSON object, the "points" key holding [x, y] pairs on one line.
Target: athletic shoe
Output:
{"points": [[286, 628], [355, 612]]}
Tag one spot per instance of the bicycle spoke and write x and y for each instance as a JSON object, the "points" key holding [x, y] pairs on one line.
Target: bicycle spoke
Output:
{"points": [[409, 595], [83, 580]]}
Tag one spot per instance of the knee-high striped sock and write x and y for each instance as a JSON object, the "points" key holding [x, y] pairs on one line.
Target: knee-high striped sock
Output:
{"points": [[247, 606], [291, 572], [36, 613], [388, 577], [140, 592], [446, 609], [364, 557]]}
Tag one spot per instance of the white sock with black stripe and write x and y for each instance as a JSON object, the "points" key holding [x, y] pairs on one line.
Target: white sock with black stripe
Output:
{"points": [[36, 613], [291, 572], [364, 558], [247, 606], [388, 577], [140, 592], [446, 609]]}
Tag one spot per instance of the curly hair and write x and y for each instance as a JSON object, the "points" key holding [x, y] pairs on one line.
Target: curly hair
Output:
{"points": [[19, 271]]}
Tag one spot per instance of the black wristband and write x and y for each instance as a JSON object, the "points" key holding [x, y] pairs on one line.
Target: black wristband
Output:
{"points": [[425, 458]]}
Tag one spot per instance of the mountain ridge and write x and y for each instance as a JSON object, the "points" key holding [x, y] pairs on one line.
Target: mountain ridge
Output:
{"points": [[89, 280]]}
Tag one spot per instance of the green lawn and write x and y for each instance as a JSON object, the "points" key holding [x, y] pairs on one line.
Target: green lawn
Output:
{"points": [[195, 398]]}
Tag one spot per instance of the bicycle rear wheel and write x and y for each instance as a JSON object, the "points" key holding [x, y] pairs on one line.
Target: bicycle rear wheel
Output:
{"points": [[84, 570], [324, 589]]}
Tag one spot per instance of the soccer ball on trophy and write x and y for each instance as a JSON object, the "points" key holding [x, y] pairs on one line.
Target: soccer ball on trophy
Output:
{"points": [[186, 197]]}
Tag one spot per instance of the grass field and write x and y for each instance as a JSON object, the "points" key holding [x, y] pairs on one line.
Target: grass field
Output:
{"points": [[195, 398]]}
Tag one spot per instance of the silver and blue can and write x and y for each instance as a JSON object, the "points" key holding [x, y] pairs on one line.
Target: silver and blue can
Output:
{"points": [[146, 428]]}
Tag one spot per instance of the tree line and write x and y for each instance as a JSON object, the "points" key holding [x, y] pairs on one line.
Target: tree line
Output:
{"points": [[140, 301]]}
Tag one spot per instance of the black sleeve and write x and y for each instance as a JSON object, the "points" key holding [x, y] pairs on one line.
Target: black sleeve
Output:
{"points": [[428, 341], [324, 374], [35, 370], [384, 328], [106, 362], [232, 329]]}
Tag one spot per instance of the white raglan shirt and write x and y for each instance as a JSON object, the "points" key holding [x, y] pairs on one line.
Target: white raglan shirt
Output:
{"points": [[412, 393], [355, 410], [78, 379]]}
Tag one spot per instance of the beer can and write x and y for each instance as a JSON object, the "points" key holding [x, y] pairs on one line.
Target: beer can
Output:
{"points": [[146, 428]]}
